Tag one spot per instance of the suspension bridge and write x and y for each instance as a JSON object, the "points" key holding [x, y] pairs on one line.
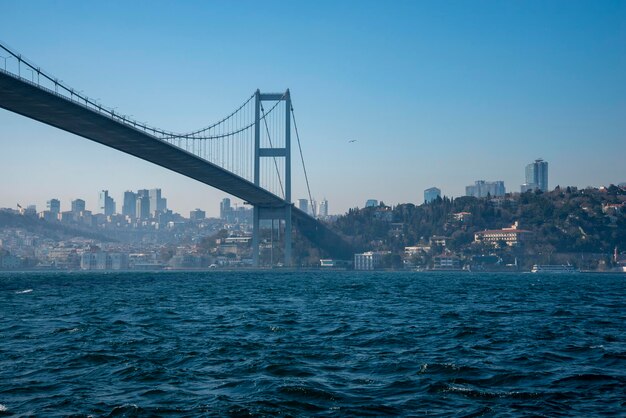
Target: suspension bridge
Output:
{"points": [[246, 154]]}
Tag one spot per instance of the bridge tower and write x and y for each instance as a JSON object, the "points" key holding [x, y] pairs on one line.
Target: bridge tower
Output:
{"points": [[265, 212]]}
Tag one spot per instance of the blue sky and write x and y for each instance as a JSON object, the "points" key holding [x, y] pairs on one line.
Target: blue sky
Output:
{"points": [[436, 93]]}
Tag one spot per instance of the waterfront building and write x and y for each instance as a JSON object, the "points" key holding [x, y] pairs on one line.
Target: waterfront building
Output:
{"points": [[54, 206], [482, 188], [102, 260], [129, 208], [78, 205], [431, 194], [370, 260], [536, 176], [106, 203], [370, 203]]}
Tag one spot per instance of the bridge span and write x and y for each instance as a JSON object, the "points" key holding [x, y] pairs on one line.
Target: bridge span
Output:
{"points": [[205, 155]]}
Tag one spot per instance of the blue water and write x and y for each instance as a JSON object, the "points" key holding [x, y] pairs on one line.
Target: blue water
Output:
{"points": [[344, 344]]}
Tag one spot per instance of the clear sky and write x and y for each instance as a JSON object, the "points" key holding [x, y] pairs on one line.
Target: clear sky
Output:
{"points": [[435, 93]]}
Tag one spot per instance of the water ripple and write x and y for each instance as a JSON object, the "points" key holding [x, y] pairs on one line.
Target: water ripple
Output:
{"points": [[312, 343]]}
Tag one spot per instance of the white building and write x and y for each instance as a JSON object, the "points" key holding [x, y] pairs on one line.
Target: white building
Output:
{"points": [[370, 260]]}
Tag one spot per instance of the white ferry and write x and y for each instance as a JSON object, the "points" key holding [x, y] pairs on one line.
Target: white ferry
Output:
{"points": [[554, 268]]}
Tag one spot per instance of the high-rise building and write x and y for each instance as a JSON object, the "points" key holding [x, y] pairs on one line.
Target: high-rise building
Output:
{"points": [[54, 206], [129, 208], [536, 176], [371, 203], [323, 212], [142, 207], [482, 188], [197, 215], [106, 203], [78, 205], [225, 208], [303, 205], [431, 194], [157, 203]]}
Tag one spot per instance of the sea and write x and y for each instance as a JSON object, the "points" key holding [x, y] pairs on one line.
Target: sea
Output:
{"points": [[290, 343]]}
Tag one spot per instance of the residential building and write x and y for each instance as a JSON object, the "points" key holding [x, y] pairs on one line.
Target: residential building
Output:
{"points": [[431, 194], [323, 212], [370, 203], [446, 262], [197, 215]]}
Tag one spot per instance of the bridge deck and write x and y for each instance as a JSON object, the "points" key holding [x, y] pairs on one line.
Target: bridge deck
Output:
{"points": [[34, 102]]}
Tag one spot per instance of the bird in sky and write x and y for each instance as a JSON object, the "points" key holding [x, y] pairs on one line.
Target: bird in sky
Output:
{"points": [[351, 141]]}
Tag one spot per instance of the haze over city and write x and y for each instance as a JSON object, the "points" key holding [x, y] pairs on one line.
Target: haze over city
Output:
{"points": [[390, 100]]}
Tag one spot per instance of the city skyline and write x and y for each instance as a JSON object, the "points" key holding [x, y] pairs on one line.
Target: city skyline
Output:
{"points": [[551, 83]]}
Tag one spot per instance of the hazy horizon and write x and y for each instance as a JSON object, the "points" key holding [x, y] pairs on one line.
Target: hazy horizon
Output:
{"points": [[434, 94]]}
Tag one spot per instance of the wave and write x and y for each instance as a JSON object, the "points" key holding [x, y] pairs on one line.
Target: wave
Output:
{"points": [[20, 292]]}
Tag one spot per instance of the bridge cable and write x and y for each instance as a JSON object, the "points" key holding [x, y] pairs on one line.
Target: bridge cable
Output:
{"points": [[306, 177], [272, 146]]}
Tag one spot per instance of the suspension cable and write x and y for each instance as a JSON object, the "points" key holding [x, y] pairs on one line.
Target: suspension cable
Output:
{"points": [[306, 177]]}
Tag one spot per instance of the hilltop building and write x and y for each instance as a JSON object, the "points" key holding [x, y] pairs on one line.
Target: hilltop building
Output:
{"points": [[323, 212], [536, 176], [54, 206], [431, 194], [511, 236], [482, 188], [78, 205]]}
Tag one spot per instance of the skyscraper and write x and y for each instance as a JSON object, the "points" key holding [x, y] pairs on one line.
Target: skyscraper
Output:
{"points": [[323, 213], [303, 205], [225, 208], [54, 206], [371, 203], [431, 194], [157, 203], [482, 188], [142, 207], [106, 203], [78, 205], [536, 176], [129, 208]]}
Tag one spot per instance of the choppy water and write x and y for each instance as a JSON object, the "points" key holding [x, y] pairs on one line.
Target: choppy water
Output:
{"points": [[267, 343]]}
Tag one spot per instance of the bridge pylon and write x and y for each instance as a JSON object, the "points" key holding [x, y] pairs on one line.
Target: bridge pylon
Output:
{"points": [[272, 212]]}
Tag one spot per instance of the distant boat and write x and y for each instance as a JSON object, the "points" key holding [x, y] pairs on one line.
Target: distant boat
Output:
{"points": [[554, 268]]}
